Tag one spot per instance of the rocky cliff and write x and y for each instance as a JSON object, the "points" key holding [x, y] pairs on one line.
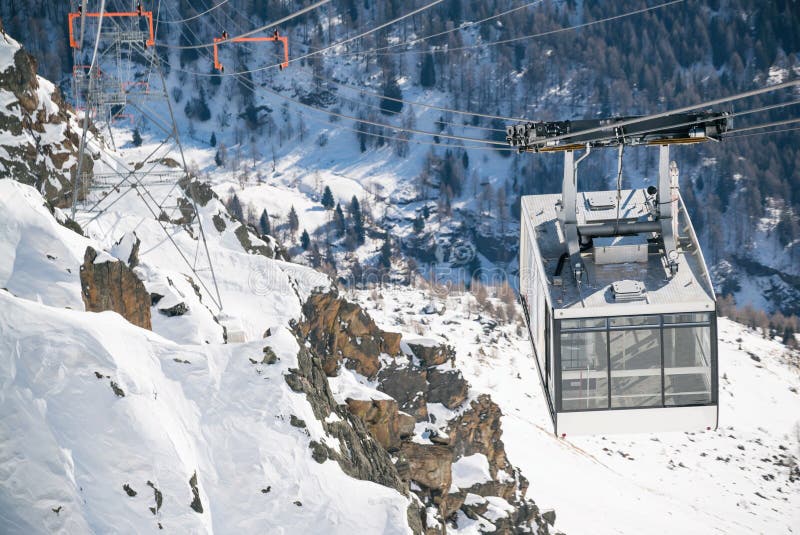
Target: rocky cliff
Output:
{"points": [[40, 139], [422, 456]]}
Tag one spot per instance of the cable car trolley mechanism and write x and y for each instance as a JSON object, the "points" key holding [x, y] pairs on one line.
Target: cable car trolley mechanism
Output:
{"points": [[617, 296], [275, 37]]}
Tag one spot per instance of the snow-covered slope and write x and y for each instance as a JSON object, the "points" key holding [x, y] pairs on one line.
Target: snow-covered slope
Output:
{"points": [[40, 257], [91, 404], [93, 410], [742, 478]]}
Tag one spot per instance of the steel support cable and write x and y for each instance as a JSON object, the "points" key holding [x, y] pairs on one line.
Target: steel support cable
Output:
{"points": [[433, 35], [363, 91], [197, 16], [314, 52], [543, 34], [131, 174], [253, 87], [767, 132], [502, 146], [377, 124], [383, 125], [83, 20], [488, 116], [254, 31], [373, 93], [372, 134], [82, 145], [127, 175], [190, 185], [475, 140], [732, 133], [636, 120], [492, 43], [176, 140]]}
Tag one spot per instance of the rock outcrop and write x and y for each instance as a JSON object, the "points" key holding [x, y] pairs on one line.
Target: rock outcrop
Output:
{"points": [[362, 457], [427, 465], [385, 422], [432, 354], [447, 387], [40, 147], [408, 385], [109, 284], [341, 332], [479, 430]]}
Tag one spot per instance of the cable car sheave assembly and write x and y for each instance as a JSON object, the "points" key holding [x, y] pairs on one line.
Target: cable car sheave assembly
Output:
{"points": [[569, 136], [276, 37]]}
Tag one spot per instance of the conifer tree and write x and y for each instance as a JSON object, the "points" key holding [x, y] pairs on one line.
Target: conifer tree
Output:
{"points": [[294, 222], [392, 104], [235, 208], [419, 224], [385, 258], [137, 138], [263, 223], [305, 240], [327, 199], [358, 220], [338, 220], [428, 75]]}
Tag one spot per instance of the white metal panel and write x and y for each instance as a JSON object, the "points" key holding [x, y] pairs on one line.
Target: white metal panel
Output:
{"points": [[649, 420]]}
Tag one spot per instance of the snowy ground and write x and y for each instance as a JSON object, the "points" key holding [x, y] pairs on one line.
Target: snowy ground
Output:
{"points": [[732, 480], [90, 403]]}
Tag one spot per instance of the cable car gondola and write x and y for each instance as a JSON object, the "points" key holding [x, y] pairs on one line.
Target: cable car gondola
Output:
{"points": [[617, 297]]}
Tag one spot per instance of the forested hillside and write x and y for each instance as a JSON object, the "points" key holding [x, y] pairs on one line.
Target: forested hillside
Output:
{"points": [[540, 60]]}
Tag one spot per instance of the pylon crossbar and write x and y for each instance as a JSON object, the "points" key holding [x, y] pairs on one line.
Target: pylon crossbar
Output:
{"points": [[275, 37], [151, 39]]}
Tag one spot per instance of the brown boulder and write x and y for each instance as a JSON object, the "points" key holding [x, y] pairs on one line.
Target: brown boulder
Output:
{"points": [[447, 387], [385, 423], [428, 466], [408, 385], [478, 430], [112, 285], [432, 355]]}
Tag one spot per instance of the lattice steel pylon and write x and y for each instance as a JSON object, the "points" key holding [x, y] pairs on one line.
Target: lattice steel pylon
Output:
{"points": [[125, 79]]}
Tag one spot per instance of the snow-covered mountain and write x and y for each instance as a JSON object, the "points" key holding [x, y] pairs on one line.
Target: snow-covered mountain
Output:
{"points": [[427, 419], [279, 132]]}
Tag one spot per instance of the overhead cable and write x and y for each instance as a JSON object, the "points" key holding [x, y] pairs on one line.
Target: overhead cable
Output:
{"points": [[251, 32], [197, 16]]}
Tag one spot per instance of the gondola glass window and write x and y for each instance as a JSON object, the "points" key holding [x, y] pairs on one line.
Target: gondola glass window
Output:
{"points": [[636, 361], [687, 360], [584, 364]]}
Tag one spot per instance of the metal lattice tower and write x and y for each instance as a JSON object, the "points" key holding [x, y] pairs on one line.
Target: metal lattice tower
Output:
{"points": [[124, 80]]}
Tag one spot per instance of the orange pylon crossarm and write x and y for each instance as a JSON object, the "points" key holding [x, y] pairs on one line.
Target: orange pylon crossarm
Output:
{"points": [[151, 40], [275, 37]]}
